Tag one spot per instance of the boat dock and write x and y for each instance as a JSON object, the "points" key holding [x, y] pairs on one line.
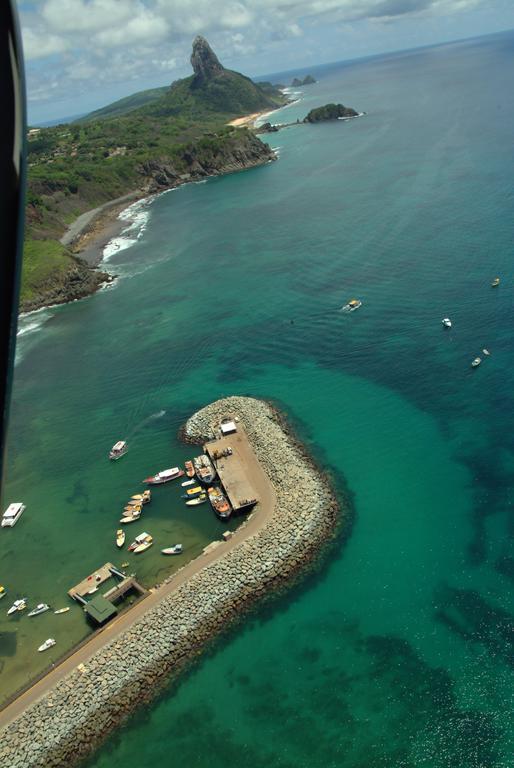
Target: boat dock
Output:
{"points": [[227, 455], [91, 583], [100, 608]]}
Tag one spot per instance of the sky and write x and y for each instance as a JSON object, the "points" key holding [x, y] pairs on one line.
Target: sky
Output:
{"points": [[83, 54]]}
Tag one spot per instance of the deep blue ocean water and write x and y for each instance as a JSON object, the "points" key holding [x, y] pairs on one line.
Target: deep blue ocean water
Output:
{"points": [[398, 654]]}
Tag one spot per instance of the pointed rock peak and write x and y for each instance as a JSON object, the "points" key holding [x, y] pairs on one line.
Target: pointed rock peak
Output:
{"points": [[204, 61]]}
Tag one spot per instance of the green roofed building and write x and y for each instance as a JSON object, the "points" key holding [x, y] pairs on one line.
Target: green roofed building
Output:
{"points": [[100, 610]]}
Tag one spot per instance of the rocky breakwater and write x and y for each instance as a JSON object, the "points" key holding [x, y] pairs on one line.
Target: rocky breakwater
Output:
{"points": [[283, 535]]}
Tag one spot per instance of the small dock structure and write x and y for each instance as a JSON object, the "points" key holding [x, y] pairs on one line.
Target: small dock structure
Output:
{"points": [[100, 607], [227, 453]]}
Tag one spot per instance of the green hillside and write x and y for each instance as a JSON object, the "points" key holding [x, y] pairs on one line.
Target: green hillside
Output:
{"points": [[123, 106]]}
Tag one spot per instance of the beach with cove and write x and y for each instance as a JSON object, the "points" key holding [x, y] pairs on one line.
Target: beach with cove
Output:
{"points": [[400, 648]]}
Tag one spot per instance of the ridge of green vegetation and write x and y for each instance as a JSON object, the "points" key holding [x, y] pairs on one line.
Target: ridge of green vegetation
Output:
{"points": [[73, 168], [125, 105]]}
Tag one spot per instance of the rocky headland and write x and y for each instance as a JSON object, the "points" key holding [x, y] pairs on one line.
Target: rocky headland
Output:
{"points": [[269, 550]]}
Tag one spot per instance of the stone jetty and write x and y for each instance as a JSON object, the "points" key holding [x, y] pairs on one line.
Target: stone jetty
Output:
{"points": [[68, 721]]}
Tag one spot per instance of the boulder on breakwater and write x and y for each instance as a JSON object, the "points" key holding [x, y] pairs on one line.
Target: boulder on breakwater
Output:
{"points": [[69, 721]]}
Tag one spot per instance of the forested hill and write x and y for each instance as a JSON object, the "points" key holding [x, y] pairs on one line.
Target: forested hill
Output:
{"points": [[180, 134]]}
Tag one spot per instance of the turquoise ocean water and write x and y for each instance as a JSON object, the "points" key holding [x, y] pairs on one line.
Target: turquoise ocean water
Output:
{"points": [[399, 653]]}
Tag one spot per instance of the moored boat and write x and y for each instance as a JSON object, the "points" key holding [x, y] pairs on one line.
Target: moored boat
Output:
{"points": [[191, 493], [61, 610], [140, 539], [118, 450], [176, 549], [188, 482], [219, 503], [144, 545], [141, 498], [130, 517], [352, 305], [446, 322], [40, 608], [204, 469], [3, 591], [12, 514], [165, 476], [476, 362], [199, 500], [18, 605], [47, 644], [190, 470], [120, 538]]}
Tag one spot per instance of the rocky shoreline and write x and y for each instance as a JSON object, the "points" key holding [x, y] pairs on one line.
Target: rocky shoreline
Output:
{"points": [[68, 722]]}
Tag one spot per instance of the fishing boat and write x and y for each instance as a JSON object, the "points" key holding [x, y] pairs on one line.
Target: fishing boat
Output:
{"points": [[352, 305], [140, 539], [486, 352], [476, 362], [495, 282], [40, 608], [133, 508], [120, 538], [165, 476], [12, 514], [47, 644], [144, 545], [3, 591], [188, 482], [130, 517], [18, 605], [199, 500], [219, 503], [446, 322], [118, 450], [190, 470], [204, 469], [192, 492], [141, 498], [176, 549], [61, 610]]}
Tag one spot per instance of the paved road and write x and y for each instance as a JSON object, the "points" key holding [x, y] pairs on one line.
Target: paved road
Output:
{"points": [[78, 226], [267, 501]]}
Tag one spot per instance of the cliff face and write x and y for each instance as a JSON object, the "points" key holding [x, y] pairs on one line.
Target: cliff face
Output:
{"points": [[204, 61], [75, 283]]}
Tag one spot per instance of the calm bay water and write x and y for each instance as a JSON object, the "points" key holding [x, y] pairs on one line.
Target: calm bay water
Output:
{"points": [[400, 652]]}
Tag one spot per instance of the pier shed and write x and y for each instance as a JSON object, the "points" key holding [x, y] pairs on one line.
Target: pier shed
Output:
{"points": [[100, 610]]}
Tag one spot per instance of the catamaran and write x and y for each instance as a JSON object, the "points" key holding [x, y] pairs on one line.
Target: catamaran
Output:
{"points": [[12, 514]]}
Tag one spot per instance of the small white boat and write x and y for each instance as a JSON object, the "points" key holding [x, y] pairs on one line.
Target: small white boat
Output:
{"points": [[61, 610], [476, 362], [129, 518], [176, 549], [40, 608], [165, 476], [188, 482], [495, 283], [199, 500], [140, 539], [486, 352], [18, 605], [144, 545], [12, 514], [446, 322], [120, 538], [47, 644], [118, 450], [352, 305]]}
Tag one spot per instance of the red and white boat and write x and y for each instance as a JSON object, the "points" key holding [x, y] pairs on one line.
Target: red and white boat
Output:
{"points": [[165, 476]]}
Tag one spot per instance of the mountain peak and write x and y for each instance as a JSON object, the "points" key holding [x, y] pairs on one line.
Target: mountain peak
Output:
{"points": [[204, 61]]}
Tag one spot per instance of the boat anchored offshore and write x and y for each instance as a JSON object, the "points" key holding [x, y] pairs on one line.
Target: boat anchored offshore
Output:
{"points": [[18, 605], [118, 450], [352, 305], [446, 322], [143, 545], [165, 476], [219, 503], [120, 537], [476, 362], [199, 500], [204, 469], [495, 282], [12, 514], [486, 352], [139, 540], [176, 549], [40, 608], [47, 644]]}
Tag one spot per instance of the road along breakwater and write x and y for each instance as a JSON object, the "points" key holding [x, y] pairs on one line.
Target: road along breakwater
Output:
{"points": [[296, 514]]}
